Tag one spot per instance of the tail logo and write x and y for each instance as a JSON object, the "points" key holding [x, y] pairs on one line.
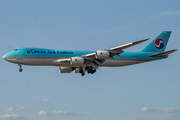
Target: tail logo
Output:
{"points": [[159, 43]]}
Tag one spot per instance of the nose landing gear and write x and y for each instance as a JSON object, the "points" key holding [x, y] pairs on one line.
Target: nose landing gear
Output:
{"points": [[20, 68]]}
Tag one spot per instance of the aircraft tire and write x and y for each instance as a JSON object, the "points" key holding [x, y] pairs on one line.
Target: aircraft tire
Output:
{"points": [[82, 74], [20, 70]]}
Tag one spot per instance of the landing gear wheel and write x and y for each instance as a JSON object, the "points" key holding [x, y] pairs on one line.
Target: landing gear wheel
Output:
{"points": [[93, 71], [88, 71], [82, 74], [20, 70]]}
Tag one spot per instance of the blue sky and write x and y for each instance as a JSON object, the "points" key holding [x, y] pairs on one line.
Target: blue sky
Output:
{"points": [[148, 91]]}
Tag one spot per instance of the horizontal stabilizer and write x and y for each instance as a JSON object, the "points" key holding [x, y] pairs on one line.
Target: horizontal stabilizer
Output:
{"points": [[163, 53]]}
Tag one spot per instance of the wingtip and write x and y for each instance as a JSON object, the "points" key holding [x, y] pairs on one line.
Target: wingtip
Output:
{"points": [[146, 39]]}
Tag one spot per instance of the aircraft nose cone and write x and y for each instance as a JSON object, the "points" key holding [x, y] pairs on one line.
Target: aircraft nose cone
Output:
{"points": [[4, 57]]}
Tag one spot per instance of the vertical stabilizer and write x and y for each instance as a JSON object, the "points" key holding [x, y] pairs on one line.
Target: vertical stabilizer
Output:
{"points": [[159, 43]]}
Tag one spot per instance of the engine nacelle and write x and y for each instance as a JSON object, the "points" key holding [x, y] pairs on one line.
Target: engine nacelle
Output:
{"points": [[78, 70], [102, 54], [65, 69], [77, 61]]}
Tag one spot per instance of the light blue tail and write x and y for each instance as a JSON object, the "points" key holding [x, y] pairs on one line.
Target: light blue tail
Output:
{"points": [[159, 43]]}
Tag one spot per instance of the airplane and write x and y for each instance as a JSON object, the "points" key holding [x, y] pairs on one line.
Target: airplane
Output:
{"points": [[89, 61]]}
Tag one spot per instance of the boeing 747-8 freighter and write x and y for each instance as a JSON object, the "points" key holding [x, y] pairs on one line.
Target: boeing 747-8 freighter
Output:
{"points": [[90, 61]]}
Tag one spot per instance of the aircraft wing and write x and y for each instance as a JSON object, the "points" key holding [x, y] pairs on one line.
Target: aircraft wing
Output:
{"points": [[128, 45], [119, 49], [92, 59]]}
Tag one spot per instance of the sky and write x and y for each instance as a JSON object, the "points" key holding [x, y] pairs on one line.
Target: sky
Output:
{"points": [[148, 91]]}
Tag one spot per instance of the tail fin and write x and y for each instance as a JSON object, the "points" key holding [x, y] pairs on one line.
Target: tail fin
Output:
{"points": [[159, 43]]}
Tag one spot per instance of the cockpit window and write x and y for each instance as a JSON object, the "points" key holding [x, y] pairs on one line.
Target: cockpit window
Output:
{"points": [[15, 49]]}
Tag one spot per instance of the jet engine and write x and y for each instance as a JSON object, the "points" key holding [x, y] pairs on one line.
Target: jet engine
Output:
{"points": [[65, 69], [78, 70], [102, 54], [77, 61]]}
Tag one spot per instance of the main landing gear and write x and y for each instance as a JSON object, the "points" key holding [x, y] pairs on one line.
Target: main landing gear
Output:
{"points": [[20, 68], [89, 69], [82, 74]]}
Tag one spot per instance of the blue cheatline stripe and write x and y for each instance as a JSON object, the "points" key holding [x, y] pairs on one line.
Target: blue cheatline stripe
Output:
{"points": [[39, 52]]}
